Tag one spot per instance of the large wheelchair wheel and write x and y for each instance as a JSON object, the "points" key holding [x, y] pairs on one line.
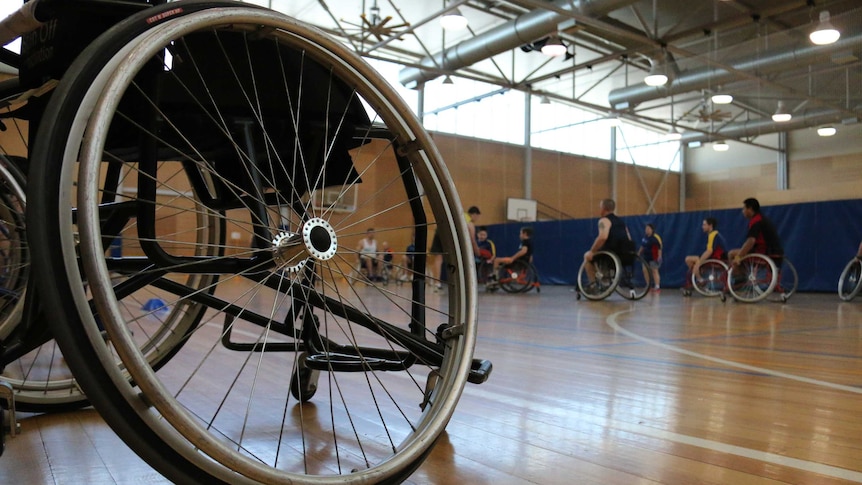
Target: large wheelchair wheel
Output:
{"points": [[752, 279], [635, 280], [14, 256], [607, 276], [30, 361], [518, 277], [711, 278], [788, 280], [279, 145], [850, 280]]}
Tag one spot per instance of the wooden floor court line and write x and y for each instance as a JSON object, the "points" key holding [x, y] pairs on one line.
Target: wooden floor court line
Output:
{"points": [[612, 322]]}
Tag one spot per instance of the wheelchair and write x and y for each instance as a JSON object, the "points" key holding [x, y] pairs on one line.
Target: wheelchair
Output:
{"points": [[630, 277], [758, 276], [850, 280], [516, 277], [192, 120], [383, 270], [710, 279]]}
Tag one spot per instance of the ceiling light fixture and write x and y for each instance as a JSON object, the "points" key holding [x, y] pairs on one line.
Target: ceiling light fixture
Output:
{"points": [[722, 98], [672, 134], [554, 47], [453, 20], [545, 100], [656, 76], [720, 146], [781, 114], [827, 130], [825, 33], [447, 80]]}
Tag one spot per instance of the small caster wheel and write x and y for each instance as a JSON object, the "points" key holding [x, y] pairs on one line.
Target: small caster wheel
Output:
{"points": [[303, 383]]}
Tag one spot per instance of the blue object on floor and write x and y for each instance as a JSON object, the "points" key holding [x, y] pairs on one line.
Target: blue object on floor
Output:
{"points": [[154, 305]]}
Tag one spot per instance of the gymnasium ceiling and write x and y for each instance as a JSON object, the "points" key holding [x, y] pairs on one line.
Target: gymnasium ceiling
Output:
{"points": [[756, 50]]}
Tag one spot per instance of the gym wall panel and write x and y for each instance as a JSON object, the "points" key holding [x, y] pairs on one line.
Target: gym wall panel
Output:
{"points": [[829, 177], [487, 173], [726, 188]]}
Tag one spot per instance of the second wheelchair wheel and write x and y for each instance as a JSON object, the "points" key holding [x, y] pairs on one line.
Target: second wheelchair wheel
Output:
{"points": [[234, 137], [752, 279], [850, 280], [711, 278], [605, 278], [636, 279], [788, 280], [14, 255], [31, 361]]}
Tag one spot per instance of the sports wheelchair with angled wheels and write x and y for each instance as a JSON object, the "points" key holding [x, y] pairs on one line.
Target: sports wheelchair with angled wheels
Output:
{"points": [[850, 281], [629, 276], [519, 276], [756, 277], [193, 120], [709, 280]]}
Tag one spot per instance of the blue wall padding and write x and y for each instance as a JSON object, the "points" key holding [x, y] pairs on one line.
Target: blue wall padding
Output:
{"points": [[818, 237]]}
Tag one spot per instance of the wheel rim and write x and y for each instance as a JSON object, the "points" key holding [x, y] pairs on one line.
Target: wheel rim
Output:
{"points": [[788, 280], [711, 278], [849, 282], [635, 280], [607, 276], [753, 279]]}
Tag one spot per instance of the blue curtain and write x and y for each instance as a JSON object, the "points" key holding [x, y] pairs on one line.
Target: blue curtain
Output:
{"points": [[818, 237]]}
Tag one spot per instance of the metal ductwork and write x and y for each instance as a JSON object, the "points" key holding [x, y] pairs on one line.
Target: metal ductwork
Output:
{"points": [[522, 30], [697, 79], [808, 118]]}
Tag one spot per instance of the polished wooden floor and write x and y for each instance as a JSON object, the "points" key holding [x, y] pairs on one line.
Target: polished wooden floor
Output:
{"points": [[666, 390]]}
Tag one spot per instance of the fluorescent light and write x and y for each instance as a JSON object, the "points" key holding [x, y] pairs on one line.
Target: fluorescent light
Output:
{"points": [[826, 130], [453, 20], [655, 80], [825, 33], [655, 76], [781, 114], [554, 47], [722, 98], [720, 146]]}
